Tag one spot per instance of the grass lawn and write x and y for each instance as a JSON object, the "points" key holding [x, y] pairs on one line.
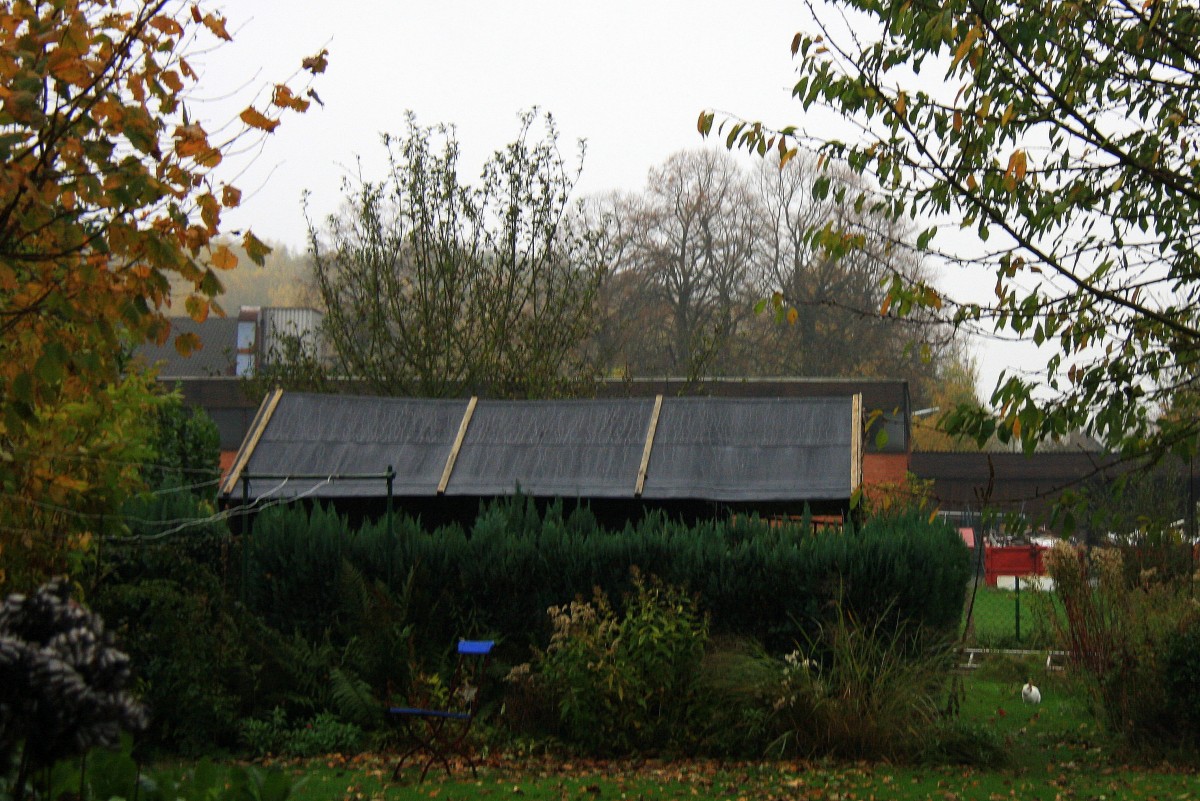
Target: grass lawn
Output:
{"points": [[1057, 752], [995, 615]]}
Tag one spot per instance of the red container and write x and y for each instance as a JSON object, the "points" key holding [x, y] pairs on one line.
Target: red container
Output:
{"points": [[1012, 560]]}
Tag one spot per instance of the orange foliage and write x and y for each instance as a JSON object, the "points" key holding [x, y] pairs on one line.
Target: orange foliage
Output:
{"points": [[106, 195]]}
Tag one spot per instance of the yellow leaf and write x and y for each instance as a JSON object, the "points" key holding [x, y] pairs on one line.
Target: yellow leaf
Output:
{"points": [[69, 68], [284, 98], [197, 308], [69, 483], [210, 212], [972, 184], [1007, 115], [165, 24], [317, 63], [930, 297], [901, 103], [255, 248], [792, 316], [186, 344], [1016, 166], [230, 196], [172, 80], [224, 259], [964, 47], [217, 26], [256, 119], [191, 141]]}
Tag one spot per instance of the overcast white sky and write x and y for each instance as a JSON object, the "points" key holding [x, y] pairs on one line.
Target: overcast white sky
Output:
{"points": [[629, 76]]}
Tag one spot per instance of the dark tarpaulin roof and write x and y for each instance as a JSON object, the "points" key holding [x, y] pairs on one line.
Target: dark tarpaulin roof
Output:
{"points": [[743, 449], [331, 435], [569, 448], [712, 449], [885, 401]]}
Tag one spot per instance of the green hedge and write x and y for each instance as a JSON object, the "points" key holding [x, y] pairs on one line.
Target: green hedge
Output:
{"points": [[776, 584]]}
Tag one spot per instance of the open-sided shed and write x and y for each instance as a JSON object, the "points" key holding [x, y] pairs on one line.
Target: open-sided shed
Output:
{"points": [[689, 455]]}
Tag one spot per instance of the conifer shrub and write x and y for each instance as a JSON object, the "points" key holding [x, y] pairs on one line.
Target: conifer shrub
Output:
{"points": [[189, 651], [776, 584]]}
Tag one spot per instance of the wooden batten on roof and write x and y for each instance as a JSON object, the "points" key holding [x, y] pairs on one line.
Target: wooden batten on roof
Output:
{"points": [[645, 465], [261, 419], [458, 441], [856, 443]]}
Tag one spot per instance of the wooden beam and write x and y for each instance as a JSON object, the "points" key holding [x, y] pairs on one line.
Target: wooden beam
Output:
{"points": [[856, 441], [458, 441], [259, 424], [649, 446]]}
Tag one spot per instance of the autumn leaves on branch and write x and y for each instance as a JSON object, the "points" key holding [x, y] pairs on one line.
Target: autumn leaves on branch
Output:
{"points": [[109, 193]]}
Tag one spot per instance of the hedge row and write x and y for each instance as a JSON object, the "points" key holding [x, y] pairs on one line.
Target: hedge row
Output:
{"points": [[776, 584]]}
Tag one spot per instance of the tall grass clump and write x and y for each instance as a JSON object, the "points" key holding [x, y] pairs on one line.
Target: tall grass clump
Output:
{"points": [[859, 690]]}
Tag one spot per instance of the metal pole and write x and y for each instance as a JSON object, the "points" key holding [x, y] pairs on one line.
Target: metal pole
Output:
{"points": [[391, 479], [245, 536], [391, 528], [1191, 518]]}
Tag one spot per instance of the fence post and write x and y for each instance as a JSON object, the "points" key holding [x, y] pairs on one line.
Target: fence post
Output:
{"points": [[1018, 608]]}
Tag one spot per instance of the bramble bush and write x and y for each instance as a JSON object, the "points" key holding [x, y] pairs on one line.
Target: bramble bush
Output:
{"points": [[1136, 641], [623, 682], [322, 734]]}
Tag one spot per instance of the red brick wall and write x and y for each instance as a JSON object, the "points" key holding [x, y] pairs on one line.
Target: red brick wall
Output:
{"points": [[884, 468]]}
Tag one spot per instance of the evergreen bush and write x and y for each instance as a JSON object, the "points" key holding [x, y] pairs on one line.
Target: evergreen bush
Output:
{"points": [[773, 583], [188, 648]]}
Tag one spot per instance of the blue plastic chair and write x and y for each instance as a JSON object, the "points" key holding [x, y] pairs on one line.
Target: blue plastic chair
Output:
{"points": [[439, 734]]}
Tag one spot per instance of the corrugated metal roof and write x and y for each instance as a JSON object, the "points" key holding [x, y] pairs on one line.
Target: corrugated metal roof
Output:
{"points": [[713, 449]]}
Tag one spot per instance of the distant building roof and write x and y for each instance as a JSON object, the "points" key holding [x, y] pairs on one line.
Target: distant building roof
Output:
{"points": [[709, 449], [1008, 481], [215, 357]]}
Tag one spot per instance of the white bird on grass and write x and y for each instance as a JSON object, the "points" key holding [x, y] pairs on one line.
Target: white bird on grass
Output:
{"points": [[1030, 694]]}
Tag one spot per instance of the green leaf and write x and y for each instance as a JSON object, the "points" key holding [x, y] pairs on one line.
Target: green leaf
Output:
{"points": [[22, 387], [255, 248]]}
